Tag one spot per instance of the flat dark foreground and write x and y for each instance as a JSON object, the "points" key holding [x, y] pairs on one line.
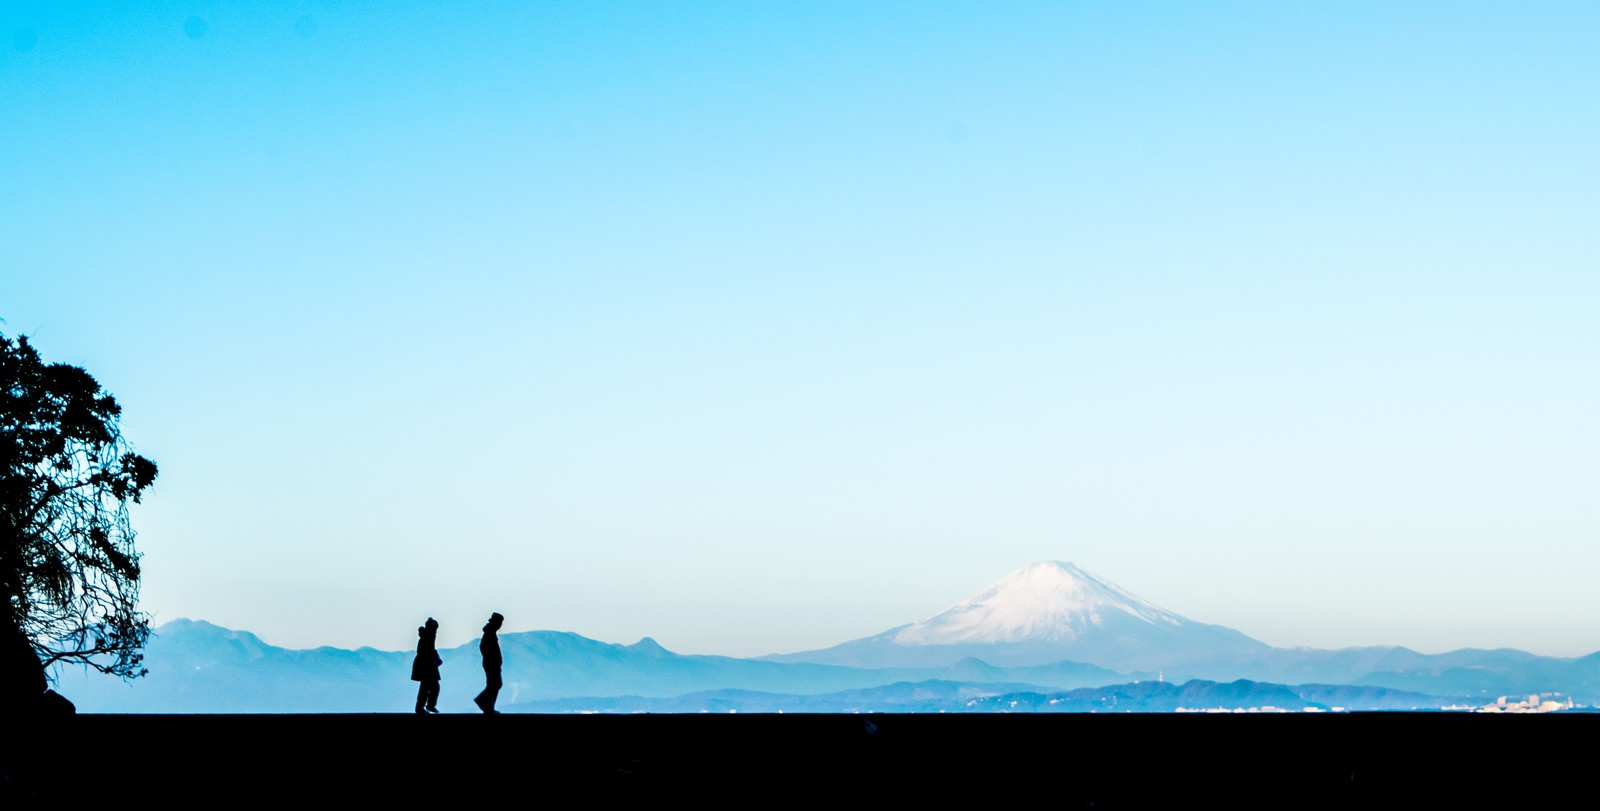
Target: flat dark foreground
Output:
{"points": [[1407, 760]]}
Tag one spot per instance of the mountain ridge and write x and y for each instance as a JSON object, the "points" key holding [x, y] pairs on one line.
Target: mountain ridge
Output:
{"points": [[1050, 625], [1047, 611]]}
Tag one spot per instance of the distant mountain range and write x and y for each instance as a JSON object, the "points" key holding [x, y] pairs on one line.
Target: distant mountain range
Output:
{"points": [[1033, 641], [935, 696], [1052, 611], [1048, 612], [200, 667]]}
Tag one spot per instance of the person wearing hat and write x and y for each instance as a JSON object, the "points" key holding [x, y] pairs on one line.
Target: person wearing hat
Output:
{"points": [[425, 668], [490, 648]]}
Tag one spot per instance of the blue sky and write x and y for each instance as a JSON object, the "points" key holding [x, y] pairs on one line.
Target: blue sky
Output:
{"points": [[756, 327]]}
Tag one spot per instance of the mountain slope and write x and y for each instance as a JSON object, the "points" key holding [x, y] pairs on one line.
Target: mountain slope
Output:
{"points": [[198, 667], [1051, 626], [1048, 612]]}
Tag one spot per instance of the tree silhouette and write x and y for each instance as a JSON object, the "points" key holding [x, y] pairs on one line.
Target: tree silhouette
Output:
{"points": [[69, 574]]}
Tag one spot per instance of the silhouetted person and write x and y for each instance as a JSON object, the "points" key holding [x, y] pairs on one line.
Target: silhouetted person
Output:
{"points": [[425, 668], [490, 647]]}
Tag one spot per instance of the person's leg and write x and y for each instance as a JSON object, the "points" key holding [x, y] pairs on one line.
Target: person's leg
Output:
{"points": [[478, 700], [422, 696], [491, 691], [433, 696]]}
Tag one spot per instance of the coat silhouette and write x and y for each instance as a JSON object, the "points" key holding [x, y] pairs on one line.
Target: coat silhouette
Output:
{"points": [[490, 648], [425, 668]]}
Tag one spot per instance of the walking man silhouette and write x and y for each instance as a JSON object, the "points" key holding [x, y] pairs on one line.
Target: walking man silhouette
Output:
{"points": [[490, 648], [425, 668]]}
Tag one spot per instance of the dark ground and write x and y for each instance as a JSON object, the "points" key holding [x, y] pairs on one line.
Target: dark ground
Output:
{"points": [[1407, 760]]}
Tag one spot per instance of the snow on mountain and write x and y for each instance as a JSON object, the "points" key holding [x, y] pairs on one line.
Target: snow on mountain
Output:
{"points": [[1046, 612], [1045, 601]]}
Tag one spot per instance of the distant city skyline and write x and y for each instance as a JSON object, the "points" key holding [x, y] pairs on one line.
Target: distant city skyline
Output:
{"points": [[755, 328]]}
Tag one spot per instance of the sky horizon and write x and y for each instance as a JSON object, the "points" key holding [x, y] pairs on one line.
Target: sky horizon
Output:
{"points": [[468, 639], [756, 328]]}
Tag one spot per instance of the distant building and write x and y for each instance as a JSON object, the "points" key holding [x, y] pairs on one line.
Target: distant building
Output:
{"points": [[1537, 703]]}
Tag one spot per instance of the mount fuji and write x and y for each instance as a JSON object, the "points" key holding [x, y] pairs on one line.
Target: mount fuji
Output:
{"points": [[1048, 612], [1048, 627]]}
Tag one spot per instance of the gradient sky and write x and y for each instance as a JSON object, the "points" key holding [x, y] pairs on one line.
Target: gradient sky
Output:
{"points": [[757, 327]]}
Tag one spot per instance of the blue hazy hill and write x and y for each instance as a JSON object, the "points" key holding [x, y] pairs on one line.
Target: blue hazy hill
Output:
{"points": [[1203, 695], [936, 696], [1050, 626], [199, 667]]}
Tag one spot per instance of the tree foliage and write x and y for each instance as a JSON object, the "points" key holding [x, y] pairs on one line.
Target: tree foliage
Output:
{"points": [[69, 573]]}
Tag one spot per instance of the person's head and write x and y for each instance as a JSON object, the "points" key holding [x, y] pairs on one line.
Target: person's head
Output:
{"points": [[421, 631], [432, 624], [495, 621]]}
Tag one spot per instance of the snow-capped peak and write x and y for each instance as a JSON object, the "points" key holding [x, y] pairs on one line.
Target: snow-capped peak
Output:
{"points": [[1044, 601]]}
